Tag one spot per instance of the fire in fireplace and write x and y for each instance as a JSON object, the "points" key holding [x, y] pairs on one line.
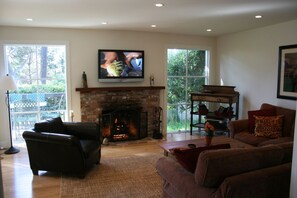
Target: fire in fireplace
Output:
{"points": [[124, 124]]}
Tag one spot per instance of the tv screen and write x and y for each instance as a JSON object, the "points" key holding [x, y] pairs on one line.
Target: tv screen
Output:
{"points": [[120, 65]]}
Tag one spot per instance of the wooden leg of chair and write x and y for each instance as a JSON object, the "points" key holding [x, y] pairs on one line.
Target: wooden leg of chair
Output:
{"points": [[99, 157], [81, 176], [35, 172]]}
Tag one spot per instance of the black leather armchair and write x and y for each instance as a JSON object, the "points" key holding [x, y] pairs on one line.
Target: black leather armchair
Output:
{"points": [[69, 147]]}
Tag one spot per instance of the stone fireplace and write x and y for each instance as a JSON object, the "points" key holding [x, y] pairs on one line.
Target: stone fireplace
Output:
{"points": [[129, 111]]}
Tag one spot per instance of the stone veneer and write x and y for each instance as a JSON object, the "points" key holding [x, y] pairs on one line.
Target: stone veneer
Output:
{"points": [[93, 101]]}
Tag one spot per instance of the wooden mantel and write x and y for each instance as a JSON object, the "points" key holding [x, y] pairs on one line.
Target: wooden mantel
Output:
{"points": [[90, 89]]}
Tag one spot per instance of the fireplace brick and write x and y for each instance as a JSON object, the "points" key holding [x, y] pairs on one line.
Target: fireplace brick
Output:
{"points": [[93, 102]]}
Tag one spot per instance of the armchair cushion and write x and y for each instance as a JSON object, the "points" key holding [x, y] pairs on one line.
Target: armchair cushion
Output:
{"points": [[54, 125], [262, 112], [83, 130]]}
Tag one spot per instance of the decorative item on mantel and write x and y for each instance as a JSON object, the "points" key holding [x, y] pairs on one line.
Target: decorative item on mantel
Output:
{"points": [[152, 80], [84, 80], [209, 131], [71, 115]]}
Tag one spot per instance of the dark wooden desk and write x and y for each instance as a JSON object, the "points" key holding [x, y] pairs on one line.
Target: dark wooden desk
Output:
{"points": [[216, 94]]}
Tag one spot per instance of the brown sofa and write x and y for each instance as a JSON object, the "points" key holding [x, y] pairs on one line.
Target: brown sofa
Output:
{"points": [[239, 129], [257, 172]]}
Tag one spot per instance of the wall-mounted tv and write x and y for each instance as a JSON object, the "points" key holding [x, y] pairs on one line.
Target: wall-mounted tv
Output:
{"points": [[120, 65]]}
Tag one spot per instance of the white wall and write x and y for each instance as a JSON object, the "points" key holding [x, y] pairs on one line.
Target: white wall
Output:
{"points": [[249, 61], [83, 49]]}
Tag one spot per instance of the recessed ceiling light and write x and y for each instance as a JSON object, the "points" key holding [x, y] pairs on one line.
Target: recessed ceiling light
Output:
{"points": [[258, 16], [208, 30], [104, 23], [29, 19], [159, 5], [153, 26]]}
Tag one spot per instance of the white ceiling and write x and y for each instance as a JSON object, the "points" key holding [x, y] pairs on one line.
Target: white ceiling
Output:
{"points": [[176, 16]]}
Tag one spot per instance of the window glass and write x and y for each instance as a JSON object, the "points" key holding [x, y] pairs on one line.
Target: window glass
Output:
{"points": [[187, 72]]}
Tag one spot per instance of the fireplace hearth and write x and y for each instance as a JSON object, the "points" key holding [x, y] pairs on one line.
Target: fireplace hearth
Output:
{"points": [[129, 123]]}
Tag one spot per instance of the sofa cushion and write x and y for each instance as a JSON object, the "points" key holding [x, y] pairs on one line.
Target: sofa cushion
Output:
{"points": [[288, 150], [53, 125], [214, 166], [271, 182], [188, 157], [269, 126], [276, 141], [264, 112], [250, 138]]}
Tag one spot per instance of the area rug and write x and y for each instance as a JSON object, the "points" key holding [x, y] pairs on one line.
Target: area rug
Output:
{"points": [[134, 176]]}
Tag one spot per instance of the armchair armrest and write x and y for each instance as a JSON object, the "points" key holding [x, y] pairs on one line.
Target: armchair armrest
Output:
{"points": [[83, 130], [55, 138], [237, 126]]}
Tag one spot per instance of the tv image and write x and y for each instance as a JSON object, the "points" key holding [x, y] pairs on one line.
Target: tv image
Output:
{"points": [[120, 65]]}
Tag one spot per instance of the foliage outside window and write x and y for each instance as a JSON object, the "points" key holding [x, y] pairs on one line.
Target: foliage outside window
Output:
{"points": [[187, 72]]}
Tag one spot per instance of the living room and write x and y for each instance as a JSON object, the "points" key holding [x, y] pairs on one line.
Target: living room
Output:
{"points": [[247, 59]]}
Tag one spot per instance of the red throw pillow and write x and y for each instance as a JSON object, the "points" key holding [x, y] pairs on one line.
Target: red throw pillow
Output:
{"points": [[188, 157], [252, 114]]}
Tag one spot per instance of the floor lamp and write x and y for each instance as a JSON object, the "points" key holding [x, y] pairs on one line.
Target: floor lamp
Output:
{"points": [[7, 83]]}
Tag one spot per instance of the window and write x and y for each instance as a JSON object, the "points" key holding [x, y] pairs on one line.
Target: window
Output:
{"points": [[187, 71], [40, 75]]}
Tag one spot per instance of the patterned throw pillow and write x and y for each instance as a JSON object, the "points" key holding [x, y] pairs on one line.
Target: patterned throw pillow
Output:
{"points": [[264, 112], [269, 126]]}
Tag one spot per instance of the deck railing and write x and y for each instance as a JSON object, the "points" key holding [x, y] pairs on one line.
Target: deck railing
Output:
{"points": [[27, 109]]}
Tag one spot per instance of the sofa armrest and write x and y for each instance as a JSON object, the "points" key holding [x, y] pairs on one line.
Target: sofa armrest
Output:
{"points": [[237, 126], [178, 182], [273, 182], [83, 130]]}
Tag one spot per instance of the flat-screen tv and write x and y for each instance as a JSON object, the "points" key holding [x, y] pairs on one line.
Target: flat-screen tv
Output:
{"points": [[120, 65]]}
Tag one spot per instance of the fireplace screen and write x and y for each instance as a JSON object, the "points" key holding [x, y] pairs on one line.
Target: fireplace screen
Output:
{"points": [[124, 124]]}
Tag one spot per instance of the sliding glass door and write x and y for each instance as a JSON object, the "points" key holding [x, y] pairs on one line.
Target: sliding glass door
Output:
{"points": [[40, 74]]}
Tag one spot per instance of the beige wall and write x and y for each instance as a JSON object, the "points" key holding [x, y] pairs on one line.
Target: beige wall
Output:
{"points": [[249, 60], [83, 49]]}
